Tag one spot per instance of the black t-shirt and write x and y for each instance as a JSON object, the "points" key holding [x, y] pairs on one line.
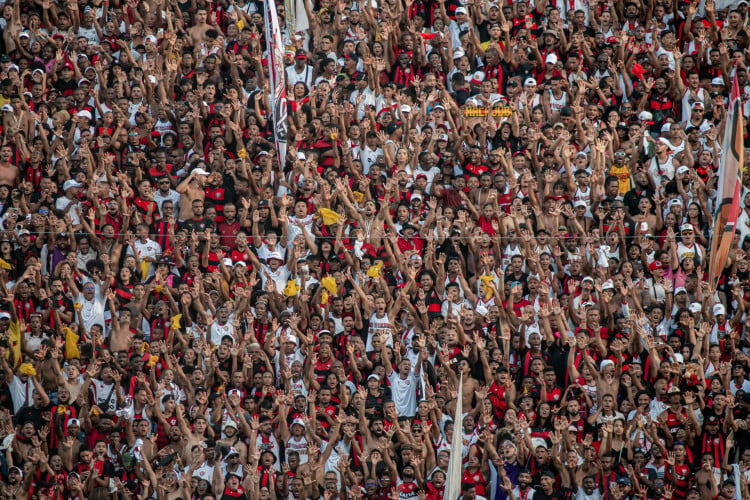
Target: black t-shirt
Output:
{"points": [[20, 255], [108, 470], [66, 88], [377, 402], [632, 197], [198, 226], [560, 494], [6, 401], [233, 495], [558, 357], [461, 96], [33, 415]]}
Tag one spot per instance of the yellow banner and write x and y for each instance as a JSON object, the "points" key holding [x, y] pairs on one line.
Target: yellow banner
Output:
{"points": [[482, 111]]}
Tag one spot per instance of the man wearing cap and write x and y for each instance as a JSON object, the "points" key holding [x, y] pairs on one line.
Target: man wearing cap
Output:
{"points": [[529, 95], [663, 165], [192, 190], [698, 118], [68, 203], [657, 289], [688, 248], [297, 440], [675, 415], [300, 72], [233, 487], [461, 22], [237, 449], [277, 270], [373, 399]]}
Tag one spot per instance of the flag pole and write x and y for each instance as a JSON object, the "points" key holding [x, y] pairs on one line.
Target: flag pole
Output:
{"points": [[453, 479]]}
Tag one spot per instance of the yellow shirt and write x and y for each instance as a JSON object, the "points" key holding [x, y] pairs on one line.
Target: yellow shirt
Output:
{"points": [[14, 339], [623, 176]]}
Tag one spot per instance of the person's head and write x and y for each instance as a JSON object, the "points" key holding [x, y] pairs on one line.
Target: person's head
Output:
{"points": [[15, 475], [547, 480]]}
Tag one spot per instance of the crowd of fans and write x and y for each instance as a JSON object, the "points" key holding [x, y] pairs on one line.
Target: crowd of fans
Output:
{"points": [[514, 198]]}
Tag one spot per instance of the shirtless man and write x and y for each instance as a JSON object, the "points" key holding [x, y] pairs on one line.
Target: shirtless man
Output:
{"points": [[198, 32], [191, 437], [72, 382], [8, 172], [141, 430], [121, 336], [470, 385], [191, 188], [705, 477], [19, 482], [233, 440]]}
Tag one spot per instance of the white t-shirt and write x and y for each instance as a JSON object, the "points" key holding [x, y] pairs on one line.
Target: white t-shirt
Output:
{"points": [[430, 174], [148, 248], [596, 495], [293, 230], [92, 311], [219, 331], [104, 395], [404, 393], [300, 446], [21, 392], [377, 324], [62, 203], [264, 251], [280, 276], [172, 196], [205, 472], [306, 76], [369, 157]]}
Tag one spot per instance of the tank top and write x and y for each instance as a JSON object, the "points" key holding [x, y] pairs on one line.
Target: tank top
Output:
{"points": [[623, 178], [376, 324], [555, 104], [584, 196], [460, 288], [300, 446], [673, 422], [143, 415], [661, 168], [298, 387], [687, 102], [691, 251], [536, 101], [89, 33]]}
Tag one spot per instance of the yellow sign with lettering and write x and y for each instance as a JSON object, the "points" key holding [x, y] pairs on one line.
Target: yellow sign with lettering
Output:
{"points": [[482, 111]]}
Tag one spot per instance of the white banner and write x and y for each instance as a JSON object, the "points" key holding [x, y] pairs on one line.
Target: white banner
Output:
{"points": [[453, 481], [277, 77]]}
